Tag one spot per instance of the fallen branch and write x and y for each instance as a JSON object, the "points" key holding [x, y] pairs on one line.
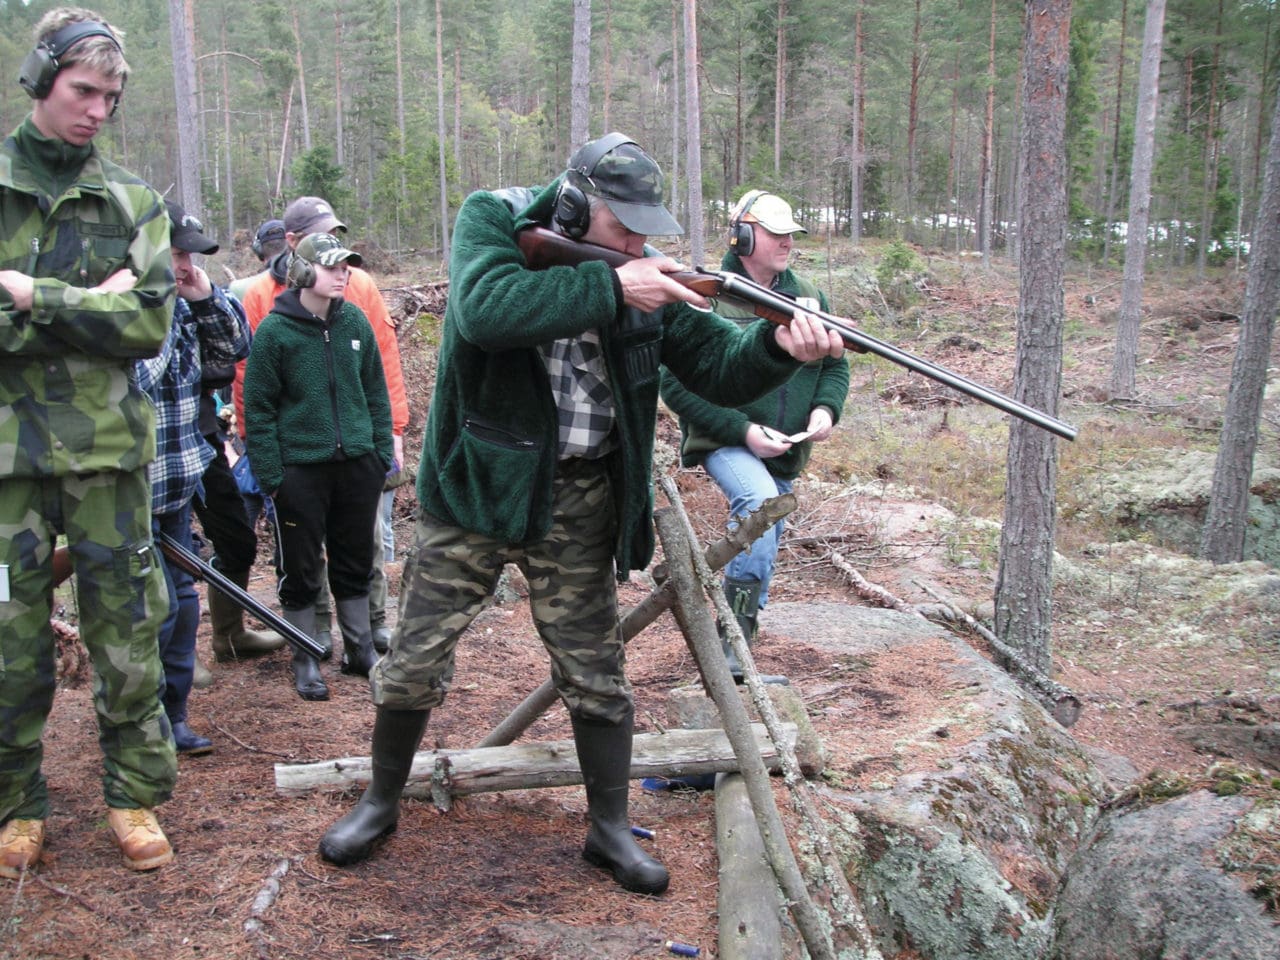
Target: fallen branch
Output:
{"points": [[1063, 705], [265, 899]]}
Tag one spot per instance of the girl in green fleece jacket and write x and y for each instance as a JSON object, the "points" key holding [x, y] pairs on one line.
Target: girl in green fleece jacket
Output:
{"points": [[319, 436]]}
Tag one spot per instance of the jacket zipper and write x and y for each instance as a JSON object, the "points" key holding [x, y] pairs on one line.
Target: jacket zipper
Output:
{"points": [[333, 387]]}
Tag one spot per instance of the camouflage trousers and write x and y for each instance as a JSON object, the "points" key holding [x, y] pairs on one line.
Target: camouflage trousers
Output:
{"points": [[450, 573], [121, 591]]}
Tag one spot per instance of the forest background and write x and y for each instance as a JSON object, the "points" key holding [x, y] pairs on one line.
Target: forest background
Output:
{"points": [[907, 112]]}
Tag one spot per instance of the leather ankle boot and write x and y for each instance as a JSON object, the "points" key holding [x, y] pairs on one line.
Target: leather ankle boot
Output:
{"points": [[231, 640], [396, 735], [604, 755], [306, 672], [358, 655]]}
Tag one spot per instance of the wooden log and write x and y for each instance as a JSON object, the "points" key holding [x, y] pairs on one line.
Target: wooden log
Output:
{"points": [[445, 774], [753, 924]]}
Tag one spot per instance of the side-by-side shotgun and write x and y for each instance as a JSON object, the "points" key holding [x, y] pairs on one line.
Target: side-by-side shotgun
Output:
{"points": [[543, 248]]}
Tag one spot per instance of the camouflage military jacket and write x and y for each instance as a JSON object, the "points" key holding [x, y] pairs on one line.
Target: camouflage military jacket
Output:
{"points": [[67, 402]]}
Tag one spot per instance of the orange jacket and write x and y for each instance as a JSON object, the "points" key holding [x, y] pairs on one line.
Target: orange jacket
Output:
{"points": [[364, 293]]}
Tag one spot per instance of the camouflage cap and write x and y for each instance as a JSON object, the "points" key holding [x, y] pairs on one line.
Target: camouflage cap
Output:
{"points": [[628, 180], [325, 250]]}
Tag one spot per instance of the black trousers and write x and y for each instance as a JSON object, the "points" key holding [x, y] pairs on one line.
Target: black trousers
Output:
{"points": [[326, 510], [223, 516]]}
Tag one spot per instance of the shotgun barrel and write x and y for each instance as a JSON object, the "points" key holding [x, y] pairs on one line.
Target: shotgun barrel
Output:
{"points": [[243, 599]]}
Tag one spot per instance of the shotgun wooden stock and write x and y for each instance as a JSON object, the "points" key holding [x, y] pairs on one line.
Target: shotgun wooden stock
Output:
{"points": [[543, 248]]}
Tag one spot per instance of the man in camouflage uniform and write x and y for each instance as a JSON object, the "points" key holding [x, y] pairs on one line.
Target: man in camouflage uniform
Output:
{"points": [[86, 288], [539, 451]]}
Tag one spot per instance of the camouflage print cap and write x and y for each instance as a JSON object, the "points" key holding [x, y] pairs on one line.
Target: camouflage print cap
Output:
{"points": [[325, 250], [628, 180]]}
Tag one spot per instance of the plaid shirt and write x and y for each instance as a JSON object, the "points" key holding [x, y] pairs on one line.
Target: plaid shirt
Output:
{"points": [[584, 399], [212, 331]]}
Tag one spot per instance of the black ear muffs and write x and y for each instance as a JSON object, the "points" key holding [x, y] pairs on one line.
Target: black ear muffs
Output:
{"points": [[742, 236], [41, 66], [573, 208], [301, 273]]}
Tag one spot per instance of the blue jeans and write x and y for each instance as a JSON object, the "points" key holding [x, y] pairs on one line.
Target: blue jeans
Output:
{"points": [[178, 632], [746, 484]]}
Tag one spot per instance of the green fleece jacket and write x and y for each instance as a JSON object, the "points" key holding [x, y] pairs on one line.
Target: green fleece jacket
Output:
{"points": [[314, 390], [705, 427], [489, 449]]}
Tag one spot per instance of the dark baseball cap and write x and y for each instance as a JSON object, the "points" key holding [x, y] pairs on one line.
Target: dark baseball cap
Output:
{"points": [[311, 215], [270, 230], [186, 232], [628, 180]]}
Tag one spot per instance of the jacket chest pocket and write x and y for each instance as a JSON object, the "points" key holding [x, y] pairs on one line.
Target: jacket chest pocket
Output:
{"points": [[86, 252]]}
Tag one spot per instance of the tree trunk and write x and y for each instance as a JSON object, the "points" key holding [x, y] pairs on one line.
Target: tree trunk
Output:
{"points": [[1210, 156], [1222, 540], [1124, 371], [224, 77], [693, 133], [400, 127], [302, 87], [988, 147], [339, 138], [857, 162], [580, 83], [184, 91], [1024, 585], [779, 86], [673, 196], [608, 66], [913, 122], [1115, 138], [440, 137]]}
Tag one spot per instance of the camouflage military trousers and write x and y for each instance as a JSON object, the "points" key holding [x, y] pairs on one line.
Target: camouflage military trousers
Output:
{"points": [[121, 591], [450, 573]]}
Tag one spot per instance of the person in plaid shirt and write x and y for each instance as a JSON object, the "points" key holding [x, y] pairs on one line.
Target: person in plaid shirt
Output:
{"points": [[208, 327]]}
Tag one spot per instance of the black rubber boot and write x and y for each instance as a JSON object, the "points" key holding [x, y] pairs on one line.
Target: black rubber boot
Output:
{"points": [[396, 735], [306, 672], [358, 655], [743, 597], [604, 755]]}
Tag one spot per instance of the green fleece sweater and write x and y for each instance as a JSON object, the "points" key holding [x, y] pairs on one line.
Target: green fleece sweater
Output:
{"points": [[705, 427], [489, 449], [314, 390]]}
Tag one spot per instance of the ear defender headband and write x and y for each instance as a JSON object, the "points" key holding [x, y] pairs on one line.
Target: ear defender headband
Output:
{"points": [[742, 236], [41, 66], [573, 208]]}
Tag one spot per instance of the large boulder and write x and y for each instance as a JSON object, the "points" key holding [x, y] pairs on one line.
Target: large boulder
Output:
{"points": [[1163, 882], [962, 856], [1169, 497]]}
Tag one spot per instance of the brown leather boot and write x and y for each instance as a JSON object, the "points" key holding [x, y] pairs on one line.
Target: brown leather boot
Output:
{"points": [[21, 842], [138, 835]]}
